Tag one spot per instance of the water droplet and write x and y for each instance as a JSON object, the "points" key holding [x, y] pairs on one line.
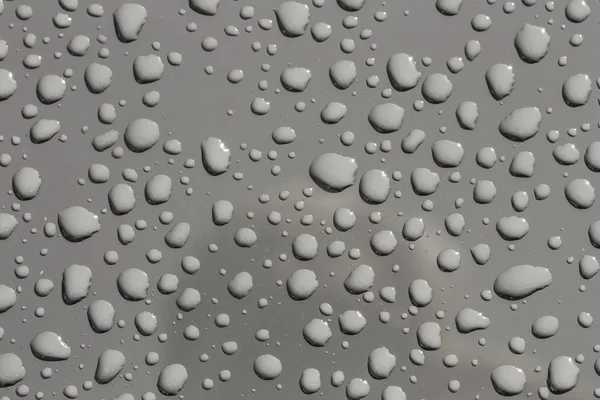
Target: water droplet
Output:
{"points": [[129, 20], [521, 281]]}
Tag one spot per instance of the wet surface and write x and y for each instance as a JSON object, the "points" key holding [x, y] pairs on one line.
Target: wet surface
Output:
{"points": [[353, 199]]}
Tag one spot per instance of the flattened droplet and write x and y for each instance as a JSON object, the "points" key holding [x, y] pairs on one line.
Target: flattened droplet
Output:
{"points": [[49, 346], [302, 284], [592, 156], [360, 279], [321, 32], [517, 345], [172, 146], [141, 135], [133, 284], [545, 327], [566, 154], [310, 381], [402, 72], [8, 84], [521, 124], [129, 20], [110, 364], [580, 193], [178, 236], [588, 266], [76, 283], [448, 260], [8, 298], [158, 189], [375, 186], [563, 375], [8, 223], [32, 61], [240, 285], [101, 316], [205, 7], [317, 333], [26, 183], [216, 156], [305, 247], [468, 320], [455, 64], [413, 229], [77, 223], [481, 23], [522, 165], [344, 219], [188, 300], [412, 141], [342, 74], [222, 212], [532, 43], [295, 79], [512, 228], [61, 20], [97, 77], [43, 287], [51, 88], [448, 7], [105, 140], [436, 88], [455, 224], [333, 172], [424, 181], [292, 18], [576, 90], [43, 130], [484, 192], [508, 380], [267, 367], [383, 243], [351, 5], [429, 336], [148, 69], [12, 370], [420, 293], [577, 11], [245, 237], [357, 389], [146, 323], [594, 233], [393, 393], [283, 135], [78, 45], [447, 154], [381, 363], [481, 253], [3, 48], [121, 199], [500, 79], [386, 117], [472, 49], [125, 234], [333, 112], [521, 281], [467, 114], [352, 322], [260, 106]]}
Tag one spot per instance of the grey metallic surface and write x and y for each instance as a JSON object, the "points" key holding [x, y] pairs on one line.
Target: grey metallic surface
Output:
{"points": [[194, 106]]}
